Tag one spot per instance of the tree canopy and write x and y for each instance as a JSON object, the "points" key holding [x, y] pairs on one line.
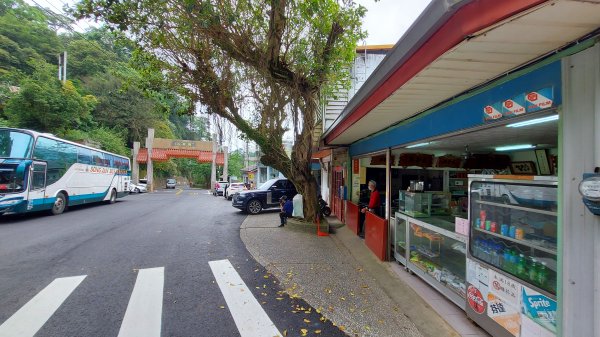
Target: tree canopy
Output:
{"points": [[110, 98], [261, 65]]}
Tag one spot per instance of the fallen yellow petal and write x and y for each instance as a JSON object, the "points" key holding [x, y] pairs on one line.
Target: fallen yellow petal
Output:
{"points": [[304, 332], [306, 320], [317, 331]]}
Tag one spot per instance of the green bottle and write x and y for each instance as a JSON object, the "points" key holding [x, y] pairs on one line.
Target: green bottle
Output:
{"points": [[533, 271], [542, 275], [522, 267]]}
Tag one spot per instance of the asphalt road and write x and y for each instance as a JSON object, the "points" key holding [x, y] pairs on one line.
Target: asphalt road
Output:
{"points": [[178, 230]]}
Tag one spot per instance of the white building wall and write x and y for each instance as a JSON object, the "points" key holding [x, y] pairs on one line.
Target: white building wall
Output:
{"points": [[364, 65], [579, 298]]}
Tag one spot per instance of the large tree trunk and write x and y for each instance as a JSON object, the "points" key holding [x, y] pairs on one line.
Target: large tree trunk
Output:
{"points": [[302, 176], [305, 183]]}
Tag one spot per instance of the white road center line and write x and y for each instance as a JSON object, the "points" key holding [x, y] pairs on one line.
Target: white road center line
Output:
{"points": [[144, 311], [35, 313], [250, 318]]}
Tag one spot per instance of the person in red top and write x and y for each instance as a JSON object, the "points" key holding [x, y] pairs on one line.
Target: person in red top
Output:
{"points": [[374, 202]]}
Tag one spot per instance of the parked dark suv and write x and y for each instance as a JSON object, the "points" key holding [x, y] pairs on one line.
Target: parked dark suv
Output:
{"points": [[266, 196]]}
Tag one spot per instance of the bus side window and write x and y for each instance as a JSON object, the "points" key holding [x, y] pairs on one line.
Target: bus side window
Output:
{"points": [[84, 156], [109, 159], [97, 158]]}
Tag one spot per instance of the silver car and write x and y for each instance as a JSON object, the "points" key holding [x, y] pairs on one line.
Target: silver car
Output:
{"points": [[171, 183]]}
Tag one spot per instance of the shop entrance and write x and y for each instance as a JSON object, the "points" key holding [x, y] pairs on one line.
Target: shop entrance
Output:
{"points": [[487, 199], [338, 191]]}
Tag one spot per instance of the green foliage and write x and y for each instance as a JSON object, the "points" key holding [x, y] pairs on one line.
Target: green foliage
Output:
{"points": [[198, 174], [45, 104], [114, 93], [87, 58], [24, 38], [122, 108], [235, 163]]}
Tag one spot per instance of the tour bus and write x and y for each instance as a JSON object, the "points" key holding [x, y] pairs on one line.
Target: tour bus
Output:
{"points": [[39, 171]]}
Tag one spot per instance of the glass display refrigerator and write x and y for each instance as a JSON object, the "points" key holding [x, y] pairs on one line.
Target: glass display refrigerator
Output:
{"points": [[437, 255], [512, 255], [400, 238]]}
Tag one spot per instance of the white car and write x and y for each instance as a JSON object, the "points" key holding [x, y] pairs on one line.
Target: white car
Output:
{"points": [[137, 188], [233, 189]]}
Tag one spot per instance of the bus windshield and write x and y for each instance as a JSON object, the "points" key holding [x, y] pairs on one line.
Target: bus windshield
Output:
{"points": [[10, 181], [15, 144]]}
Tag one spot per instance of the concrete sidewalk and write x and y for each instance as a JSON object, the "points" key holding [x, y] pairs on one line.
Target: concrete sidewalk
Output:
{"points": [[340, 277]]}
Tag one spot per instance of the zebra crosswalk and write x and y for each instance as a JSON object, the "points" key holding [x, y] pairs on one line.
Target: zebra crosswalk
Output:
{"points": [[144, 311], [33, 315], [143, 316]]}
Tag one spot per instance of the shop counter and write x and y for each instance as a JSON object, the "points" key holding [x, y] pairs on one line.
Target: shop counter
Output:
{"points": [[431, 249], [376, 230], [353, 217]]}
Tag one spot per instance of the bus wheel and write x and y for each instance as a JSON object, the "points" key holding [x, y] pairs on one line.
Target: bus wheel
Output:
{"points": [[59, 204], [113, 197]]}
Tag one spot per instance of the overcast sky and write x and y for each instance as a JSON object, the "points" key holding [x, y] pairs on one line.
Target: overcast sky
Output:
{"points": [[385, 21]]}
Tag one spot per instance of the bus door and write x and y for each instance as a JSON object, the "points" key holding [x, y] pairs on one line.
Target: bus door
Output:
{"points": [[37, 187]]}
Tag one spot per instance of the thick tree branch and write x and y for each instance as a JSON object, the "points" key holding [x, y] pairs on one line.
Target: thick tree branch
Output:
{"points": [[277, 25]]}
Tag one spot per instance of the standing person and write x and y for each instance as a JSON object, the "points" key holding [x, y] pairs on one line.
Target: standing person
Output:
{"points": [[374, 203]]}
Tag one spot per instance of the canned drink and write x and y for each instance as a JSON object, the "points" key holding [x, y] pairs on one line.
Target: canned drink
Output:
{"points": [[482, 216], [488, 225], [512, 231], [478, 223], [504, 229], [494, 227], [519, 234]]}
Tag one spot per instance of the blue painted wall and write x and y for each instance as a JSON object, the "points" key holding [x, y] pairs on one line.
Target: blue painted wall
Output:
{"points": [[462, 114]]}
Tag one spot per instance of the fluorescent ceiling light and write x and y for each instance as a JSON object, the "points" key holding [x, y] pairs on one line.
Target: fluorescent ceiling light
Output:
{"points": [[533, 121], [418, 145], [515, 147]]}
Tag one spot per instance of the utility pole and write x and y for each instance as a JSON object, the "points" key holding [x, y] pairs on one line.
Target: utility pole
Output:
{"points": [[225, 164], [247, 155], [62, 67], [135, 170], [213, 169], [149, 166]]}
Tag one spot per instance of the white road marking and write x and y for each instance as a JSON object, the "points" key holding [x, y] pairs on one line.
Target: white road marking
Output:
{"points": [[35, 313], [144, 311], [250, 318]]}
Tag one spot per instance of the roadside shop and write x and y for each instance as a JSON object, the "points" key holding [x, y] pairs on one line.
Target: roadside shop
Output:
{"points": [[470, 151]]}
